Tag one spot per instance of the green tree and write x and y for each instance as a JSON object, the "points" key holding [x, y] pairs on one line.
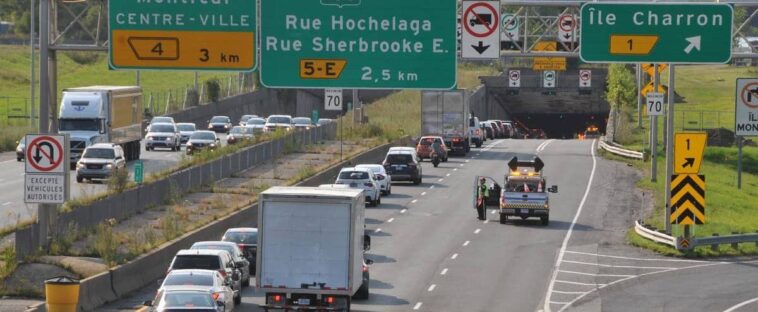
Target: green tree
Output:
{"points": [[622, 87]]}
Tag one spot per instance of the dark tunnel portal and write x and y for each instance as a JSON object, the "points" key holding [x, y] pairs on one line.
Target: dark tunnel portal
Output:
{"points": [[563, 126]]}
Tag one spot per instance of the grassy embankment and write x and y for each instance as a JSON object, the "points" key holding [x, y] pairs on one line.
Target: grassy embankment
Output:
{"points": [[74, 70], [728, 210]]}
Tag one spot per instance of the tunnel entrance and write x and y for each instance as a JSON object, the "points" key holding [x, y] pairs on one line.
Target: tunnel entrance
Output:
{"points": [[563, 126]]}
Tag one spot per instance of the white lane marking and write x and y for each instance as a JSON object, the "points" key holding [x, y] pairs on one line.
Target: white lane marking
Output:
{"points": [[423, 193], [741, 304], [418, 305], [569, 292], [630, 258], [414, 201], [440, 180], [403, 211], [444, 271], [578, 283], [431, 187], [477, 154], [7, 203], [168, 155], [493, 212], [544, 145], [558, 302], [571, 229], [477, 231], [390, 220], [486, 221], [454, 256], [378, 230], [455, 169], [593, 274], [431, 288], [467, 160], [466, 243], [461, 165], [617, 266], [447, 175]]}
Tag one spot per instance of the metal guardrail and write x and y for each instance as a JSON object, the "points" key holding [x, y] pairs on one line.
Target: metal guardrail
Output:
{"points": [[727, 239], [654, 235], [620, 151]]}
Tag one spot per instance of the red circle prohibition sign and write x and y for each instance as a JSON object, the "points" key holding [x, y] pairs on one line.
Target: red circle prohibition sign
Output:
{"points": [[55, 160], [567, 16], [744, 93], [585, 75], [491, 26]]}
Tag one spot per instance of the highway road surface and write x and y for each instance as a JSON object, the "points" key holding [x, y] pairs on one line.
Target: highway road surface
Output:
{"points": [[13, 209], [432, 254]]}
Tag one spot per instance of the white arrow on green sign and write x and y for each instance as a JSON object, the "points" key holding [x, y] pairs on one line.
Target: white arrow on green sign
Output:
{"points": [[366, 44], [680, 33]]}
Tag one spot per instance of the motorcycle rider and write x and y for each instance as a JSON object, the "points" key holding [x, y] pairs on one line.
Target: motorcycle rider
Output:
{"points": [[437, 148], [483, 192]]}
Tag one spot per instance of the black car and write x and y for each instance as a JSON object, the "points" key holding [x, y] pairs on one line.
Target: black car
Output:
{"points": [[402, 166], [220, 124], [247, 240]]}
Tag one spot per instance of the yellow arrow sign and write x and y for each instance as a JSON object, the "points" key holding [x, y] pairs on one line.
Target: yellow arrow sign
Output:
{"points": [[688, 152], [649, 88], [648, 68], [687, 202]]}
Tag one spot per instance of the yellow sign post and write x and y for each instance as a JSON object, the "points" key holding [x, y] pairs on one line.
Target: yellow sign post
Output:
{"points": [[688, 152]]}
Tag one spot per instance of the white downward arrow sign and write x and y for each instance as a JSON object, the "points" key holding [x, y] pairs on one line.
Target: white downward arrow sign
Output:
{"points": [[694, 44]]}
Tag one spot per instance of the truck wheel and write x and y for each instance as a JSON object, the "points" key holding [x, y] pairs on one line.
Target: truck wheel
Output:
{"points": [[417, 181], [503, 218], [545, 220]]}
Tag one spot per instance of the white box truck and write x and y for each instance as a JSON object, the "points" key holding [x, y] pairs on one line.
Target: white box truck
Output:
{"points": [[445, 113], [102, 114], [310, 247]]}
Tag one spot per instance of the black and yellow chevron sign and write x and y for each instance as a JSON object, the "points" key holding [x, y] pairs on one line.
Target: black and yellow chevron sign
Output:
{"points": [[687, 199]]}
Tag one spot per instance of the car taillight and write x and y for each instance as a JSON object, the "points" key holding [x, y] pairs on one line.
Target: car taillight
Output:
{"points": [[365, 268], [477, 132], [329, 300], [215, 296], [223, 273], [277, 298]]}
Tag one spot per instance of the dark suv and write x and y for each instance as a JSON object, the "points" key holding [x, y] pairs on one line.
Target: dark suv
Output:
{"points": [[402, 166]]}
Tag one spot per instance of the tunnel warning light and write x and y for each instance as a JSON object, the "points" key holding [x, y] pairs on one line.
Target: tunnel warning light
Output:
{"points": [[632, 44]]}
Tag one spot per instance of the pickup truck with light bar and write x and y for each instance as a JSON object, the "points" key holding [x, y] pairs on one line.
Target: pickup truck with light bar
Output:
{"points": [[524, 193]]}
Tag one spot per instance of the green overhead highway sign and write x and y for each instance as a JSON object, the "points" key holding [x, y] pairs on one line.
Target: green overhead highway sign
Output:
{"points": [[681, 33], [366, 44], [191, 35]]}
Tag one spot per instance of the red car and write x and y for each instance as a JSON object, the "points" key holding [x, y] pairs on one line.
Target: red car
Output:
{"points": [[424, 147]]}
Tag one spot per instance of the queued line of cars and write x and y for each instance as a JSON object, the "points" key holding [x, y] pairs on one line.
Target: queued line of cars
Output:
{"points": [[99, 161], [210, 275]]}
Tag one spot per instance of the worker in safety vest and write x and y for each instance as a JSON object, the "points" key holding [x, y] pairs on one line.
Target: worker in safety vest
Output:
{"points": [[483, 192]]}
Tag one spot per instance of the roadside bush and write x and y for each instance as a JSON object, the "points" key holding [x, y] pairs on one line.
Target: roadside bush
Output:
{"points": [[9, 261], [83, 57], [170, 227], [10, 135], [105, 243], [213, 90], [61, 242], [119, 180]]}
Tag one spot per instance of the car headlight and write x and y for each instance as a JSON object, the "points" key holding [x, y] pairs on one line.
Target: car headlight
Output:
{"points": [[19, 149], [149, 138], [79, 165], [213, 145], [210, 126], [226, 126], [109, 166]]}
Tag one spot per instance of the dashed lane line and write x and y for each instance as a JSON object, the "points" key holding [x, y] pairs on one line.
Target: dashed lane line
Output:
{"points": [[403, 211], [390, 220], [447, 175], [414, 201], [423, 193], [455, 255], [444, 271], [378, 230], [466, 243], [477, 231], [432, 287], [418, 305]]}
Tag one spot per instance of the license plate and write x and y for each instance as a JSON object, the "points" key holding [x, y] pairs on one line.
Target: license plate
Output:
{"points": [[353, 184], [303, 301], [524, 211]]}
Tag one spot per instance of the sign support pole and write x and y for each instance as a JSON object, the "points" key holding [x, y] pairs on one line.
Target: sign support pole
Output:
{"points": [[654, 131], [640, 100], [669, 147], [739, 162]]}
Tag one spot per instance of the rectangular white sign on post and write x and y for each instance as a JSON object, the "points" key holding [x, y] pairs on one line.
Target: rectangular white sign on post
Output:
{"points": [[514, 78], [480, 23], [585, 78], [654, 104], [44, 188], [333, 99], [548, 79], [746, 107]]}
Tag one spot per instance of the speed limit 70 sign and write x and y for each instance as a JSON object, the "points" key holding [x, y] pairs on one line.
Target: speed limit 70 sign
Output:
{"points": [[654, 104], [333, 99]]}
